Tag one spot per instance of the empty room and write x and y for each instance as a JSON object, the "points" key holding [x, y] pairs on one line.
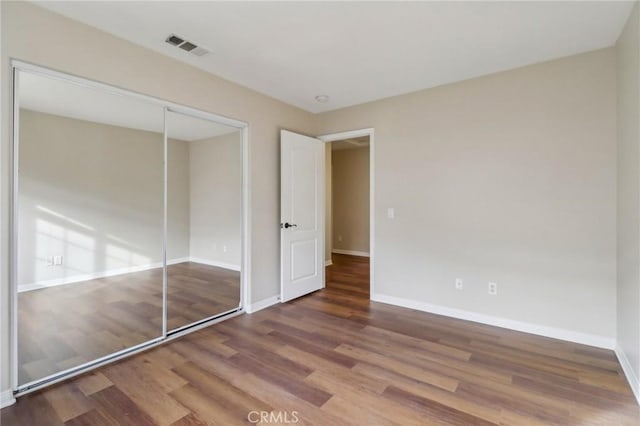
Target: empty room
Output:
{"points": [[320, 213]]}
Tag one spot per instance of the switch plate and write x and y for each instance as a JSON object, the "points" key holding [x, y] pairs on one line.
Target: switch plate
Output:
{"points": [[391, 213], [493, 289], [459, 284]]}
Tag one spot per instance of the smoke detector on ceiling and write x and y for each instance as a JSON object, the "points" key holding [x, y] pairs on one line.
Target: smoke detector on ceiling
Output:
{"points": [[186, 45]]}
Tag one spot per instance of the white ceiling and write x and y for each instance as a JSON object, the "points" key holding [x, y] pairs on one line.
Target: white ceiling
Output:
{"points": [[65, 99], [356, 52]]}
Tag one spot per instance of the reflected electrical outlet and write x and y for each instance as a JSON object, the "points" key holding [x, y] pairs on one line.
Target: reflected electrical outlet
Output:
{"points": [[53, 260]]}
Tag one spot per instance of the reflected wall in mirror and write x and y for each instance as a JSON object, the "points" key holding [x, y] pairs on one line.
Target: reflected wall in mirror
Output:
{"points": [[90, 224], [204, 219]]}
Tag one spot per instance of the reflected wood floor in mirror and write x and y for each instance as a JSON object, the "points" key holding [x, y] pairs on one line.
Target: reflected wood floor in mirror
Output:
{"points": [[64, 326], [336, 358]]}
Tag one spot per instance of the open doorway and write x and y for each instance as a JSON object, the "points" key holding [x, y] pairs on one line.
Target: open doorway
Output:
{"points": [[348, 211]]}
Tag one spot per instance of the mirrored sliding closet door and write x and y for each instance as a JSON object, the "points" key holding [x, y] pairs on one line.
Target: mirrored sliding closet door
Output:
{"points": [[204, 219], [127, 223], [88, 224]]}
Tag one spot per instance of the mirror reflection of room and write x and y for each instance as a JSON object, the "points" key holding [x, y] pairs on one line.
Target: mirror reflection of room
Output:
{"points": [[90, 221], [91, 246], [204, 214]]}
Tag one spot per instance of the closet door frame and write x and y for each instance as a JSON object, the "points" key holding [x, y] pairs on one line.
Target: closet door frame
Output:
{"points": [[17, 67]]}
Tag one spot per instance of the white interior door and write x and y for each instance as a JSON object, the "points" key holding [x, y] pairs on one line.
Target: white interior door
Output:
{"points": [[301, 215]]}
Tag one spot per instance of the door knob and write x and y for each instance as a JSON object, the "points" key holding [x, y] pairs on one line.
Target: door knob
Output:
{"points": [[287, 225]]}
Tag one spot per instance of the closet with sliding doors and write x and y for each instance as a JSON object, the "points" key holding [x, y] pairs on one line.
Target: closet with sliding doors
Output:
{"points": [[127, 223]]}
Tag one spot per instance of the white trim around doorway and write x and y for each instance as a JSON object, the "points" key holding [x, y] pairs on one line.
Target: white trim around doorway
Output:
{"points": [[356, 134]]}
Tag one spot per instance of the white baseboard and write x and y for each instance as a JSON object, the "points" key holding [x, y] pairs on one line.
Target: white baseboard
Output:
{"points": [[265, 303], [6, 398], [121, 271], [351, 252], [632, 379], [222, 265], [328, 263], [541, 330]]}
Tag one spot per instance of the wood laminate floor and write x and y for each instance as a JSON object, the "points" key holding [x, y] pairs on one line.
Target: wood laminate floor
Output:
{"points": [[335, 358], [66, 326]]}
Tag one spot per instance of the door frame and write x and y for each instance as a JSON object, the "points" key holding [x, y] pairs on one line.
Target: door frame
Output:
{"points": [[332, 137]]}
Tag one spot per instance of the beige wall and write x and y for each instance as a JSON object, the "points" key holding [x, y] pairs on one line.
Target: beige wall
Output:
{"points": [[350, 169], [216, 199], [328, 219], [93, 193], [628, 308], [509, 178], [35, 35], [178, 199]]}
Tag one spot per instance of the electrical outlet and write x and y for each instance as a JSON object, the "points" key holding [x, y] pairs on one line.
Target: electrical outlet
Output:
{"points": [[391, 213], [339, 237], [459, 284], [49, 260], [224, 249], [493, 288]]}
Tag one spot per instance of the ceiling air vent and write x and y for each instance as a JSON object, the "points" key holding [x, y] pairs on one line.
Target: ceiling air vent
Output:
{"points": [[185, 45]]}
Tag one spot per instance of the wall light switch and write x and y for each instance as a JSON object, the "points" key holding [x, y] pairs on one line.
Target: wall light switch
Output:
{"points": [[391, 213], [459, 285]]}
